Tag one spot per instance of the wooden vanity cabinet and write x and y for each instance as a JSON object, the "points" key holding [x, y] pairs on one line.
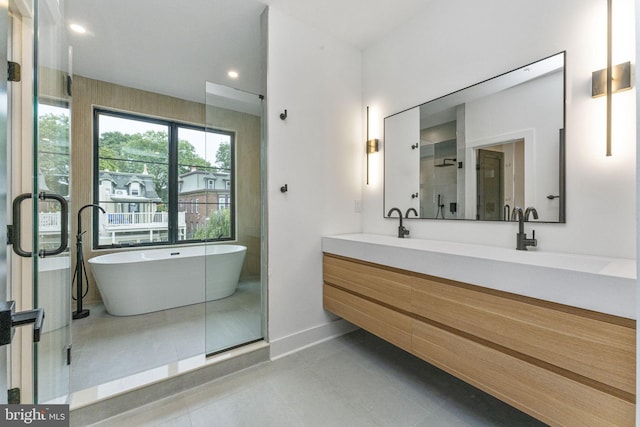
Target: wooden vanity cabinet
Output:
{"points": [[377, 300], [560, 364]]}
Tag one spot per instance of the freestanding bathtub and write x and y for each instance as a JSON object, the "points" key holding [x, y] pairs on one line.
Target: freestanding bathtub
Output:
{"points": [[142, 281]]}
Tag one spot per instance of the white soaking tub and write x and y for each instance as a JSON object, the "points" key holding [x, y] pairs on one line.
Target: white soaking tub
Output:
{"points": [[142, 281]]}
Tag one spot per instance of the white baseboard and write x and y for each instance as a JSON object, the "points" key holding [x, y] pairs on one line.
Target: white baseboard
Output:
{"points": [[295, 342]]}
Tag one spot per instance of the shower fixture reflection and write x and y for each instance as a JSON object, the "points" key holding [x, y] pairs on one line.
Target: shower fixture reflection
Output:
{"points": [[446, 162]]}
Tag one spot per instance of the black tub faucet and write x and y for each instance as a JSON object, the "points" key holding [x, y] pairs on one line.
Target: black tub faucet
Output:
{"points": [[521, 238], [402, 232]]}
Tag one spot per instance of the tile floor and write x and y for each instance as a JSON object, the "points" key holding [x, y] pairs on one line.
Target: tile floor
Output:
{"points": [[108, 347], [354, 380]]}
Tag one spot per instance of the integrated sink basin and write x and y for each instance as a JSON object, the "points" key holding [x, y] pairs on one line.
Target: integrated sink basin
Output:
{"points": [[606, 285]]}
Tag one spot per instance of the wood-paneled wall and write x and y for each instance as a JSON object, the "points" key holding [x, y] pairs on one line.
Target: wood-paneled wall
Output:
{"points": [[88, 93]]}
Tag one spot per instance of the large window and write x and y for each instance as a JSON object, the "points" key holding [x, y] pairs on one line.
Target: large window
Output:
{"points": [[152, 177]]}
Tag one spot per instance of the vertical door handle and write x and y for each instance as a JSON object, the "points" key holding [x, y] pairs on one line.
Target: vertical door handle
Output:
{"points": [[64, 224], [15, 233]]}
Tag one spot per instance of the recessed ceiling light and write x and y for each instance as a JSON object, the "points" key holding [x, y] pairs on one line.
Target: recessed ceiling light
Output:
{"points": [[78, 28], [233, 74]]}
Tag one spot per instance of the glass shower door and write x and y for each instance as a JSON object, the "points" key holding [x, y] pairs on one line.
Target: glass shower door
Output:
{"points": [[51, 194], [231, 219]]}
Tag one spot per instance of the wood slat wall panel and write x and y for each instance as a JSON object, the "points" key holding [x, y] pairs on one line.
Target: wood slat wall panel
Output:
{"points": [[381, 321], [602, 351], [550, 397], [383, 285]]}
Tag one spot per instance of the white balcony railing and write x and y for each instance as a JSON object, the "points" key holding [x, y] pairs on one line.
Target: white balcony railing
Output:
{"points": [[128, 226], [49, 222], [135, 218], [117, 227]]}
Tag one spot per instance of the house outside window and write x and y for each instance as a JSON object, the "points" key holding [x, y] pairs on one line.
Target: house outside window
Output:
{"points": [[163, 167]]}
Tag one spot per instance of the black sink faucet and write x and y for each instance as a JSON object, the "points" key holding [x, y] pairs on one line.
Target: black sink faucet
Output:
{"points": [[415, 212], [402, 232], [521, 238], [530, 211]]}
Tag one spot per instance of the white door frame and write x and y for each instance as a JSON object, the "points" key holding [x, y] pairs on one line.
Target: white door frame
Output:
{"points": [[21, 173]]}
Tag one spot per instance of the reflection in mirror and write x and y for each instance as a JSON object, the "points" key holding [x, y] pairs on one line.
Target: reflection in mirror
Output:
{"points": [[484, 150], [499, 180], [438, 177]]}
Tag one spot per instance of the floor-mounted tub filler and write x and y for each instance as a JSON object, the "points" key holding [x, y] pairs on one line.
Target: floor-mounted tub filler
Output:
{"points": [[143, 281]]}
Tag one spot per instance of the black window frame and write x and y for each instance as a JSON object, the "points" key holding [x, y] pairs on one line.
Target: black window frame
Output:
{"points": [[173, 185]]}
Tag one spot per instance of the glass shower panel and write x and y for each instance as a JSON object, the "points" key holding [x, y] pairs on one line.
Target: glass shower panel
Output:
{"points": [[231, 218], [51, 195]]}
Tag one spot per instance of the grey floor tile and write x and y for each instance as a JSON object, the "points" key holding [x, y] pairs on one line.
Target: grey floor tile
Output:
{"points": [[478, 409], [182, 421], [442, 417], [203, 395], [107, 348], [255, 404], [355, 380], [166, 412], [324, 403]]}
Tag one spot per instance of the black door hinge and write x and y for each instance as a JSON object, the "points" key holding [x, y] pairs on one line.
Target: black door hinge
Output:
{"points": [[13, 396], [69, 81], [13, 71], [69, 355], [10, 234]]}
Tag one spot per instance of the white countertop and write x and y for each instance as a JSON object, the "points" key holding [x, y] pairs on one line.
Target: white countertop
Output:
{"points": [[606, 285]]}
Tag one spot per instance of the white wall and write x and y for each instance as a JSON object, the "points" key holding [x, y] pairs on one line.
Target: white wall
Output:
{"points": [[637, 81], [316, 151], [455, 43]]}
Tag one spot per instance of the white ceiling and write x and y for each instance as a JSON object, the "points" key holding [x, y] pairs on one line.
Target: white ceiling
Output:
{"points": [[358, 22], [174, 47]]}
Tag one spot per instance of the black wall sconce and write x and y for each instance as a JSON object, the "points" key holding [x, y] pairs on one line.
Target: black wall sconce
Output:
{"points": [[611, 79], [372, 145]]}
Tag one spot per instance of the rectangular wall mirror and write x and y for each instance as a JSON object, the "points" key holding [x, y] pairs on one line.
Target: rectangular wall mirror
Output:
{"points": [[483, 151]]}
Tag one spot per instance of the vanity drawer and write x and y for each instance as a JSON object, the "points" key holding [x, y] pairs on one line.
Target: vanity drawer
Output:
{"points": [[593, 345], [542, 393], [381, 284], [388, 324]]}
